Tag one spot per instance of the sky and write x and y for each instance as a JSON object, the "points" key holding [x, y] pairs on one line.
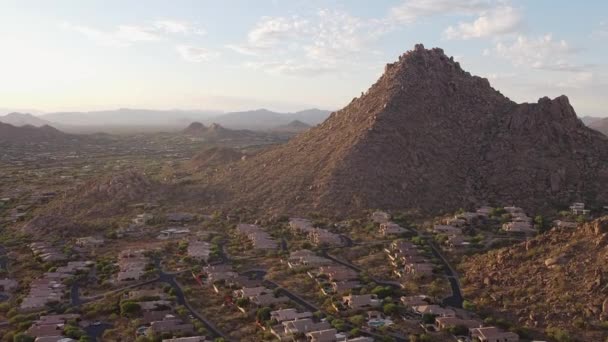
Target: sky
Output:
{"points": [[288, 55]]}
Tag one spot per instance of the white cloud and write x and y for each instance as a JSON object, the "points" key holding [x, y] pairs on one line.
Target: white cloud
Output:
{"points": [[196, 54], [495, 22], [125, 35], [542, 52], [329, 38], [601, 31], [178, 27], [411, 10]]}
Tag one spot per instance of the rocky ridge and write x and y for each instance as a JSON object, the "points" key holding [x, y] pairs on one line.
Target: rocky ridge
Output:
{"points": [[558, 279]]}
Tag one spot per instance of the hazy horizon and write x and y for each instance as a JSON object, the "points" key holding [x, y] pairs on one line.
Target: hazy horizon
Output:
{"points": [[287, 56]]}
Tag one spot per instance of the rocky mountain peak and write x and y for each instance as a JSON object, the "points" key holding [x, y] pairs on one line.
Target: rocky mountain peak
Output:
{"points": [[429, 135]]}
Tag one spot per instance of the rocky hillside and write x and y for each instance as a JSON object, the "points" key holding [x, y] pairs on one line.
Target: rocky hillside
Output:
{"points": [[600, 125], [295, 126], [215, 156], [108, 196], [558, 279], [427, 135]]}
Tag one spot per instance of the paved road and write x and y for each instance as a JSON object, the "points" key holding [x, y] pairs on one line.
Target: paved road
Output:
{"points": [[455, 300], [169, 278]]}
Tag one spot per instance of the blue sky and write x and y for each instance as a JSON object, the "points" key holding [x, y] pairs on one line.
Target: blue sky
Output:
{"points": [[288, 54]]}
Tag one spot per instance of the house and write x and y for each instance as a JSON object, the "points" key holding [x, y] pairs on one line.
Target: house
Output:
{"points": [[289, 315], [154, 305], [8, 285], [518, 227], [304, 257], [565, 224], [520, 217], [170, 326], [300, 225], [248, 292], [447, 229], [259, 238], [513, 210], [434, 310], [50, 326], [443, 323], [340, 287], [320, 236], [188, 339], [303, 326], [268, 299], [357, 302], [180, 217], [132, 265], [493, 334], [199, 250], [578, 208], [455, 241], [148, 317], [337, 273], [391, 228], [484, 211], [413, 301], [142, 219], [423, 269], [380, 217], [173, 233], [145, 293], [89, 242], [468, 217], [327, 335]]}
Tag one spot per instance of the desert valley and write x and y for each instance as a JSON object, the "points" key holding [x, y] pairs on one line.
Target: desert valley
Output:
{"points": [[430, 208], [303, 171]]}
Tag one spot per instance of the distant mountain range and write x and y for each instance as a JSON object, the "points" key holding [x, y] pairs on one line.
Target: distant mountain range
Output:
{"points": [[261, 119], [22, 119], [600, 125]]}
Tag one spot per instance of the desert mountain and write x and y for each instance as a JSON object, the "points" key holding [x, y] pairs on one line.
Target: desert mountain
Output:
{"points": [[30, 134], [559, 278], [600, 125], [195, 128], [428, 135], [295, 126], [217, 133], [21, 119]]}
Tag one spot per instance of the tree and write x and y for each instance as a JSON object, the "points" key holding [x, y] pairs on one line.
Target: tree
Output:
{"points": [[21, 337], [129, 309], [382, 291], [469, 306], [390, 309], [242, 302], [459, 330], [428, 318], [263, 314], [357, 320]]}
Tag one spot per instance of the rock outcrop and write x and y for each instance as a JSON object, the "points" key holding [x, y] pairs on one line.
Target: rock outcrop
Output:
{"points": [[557, 279]]}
